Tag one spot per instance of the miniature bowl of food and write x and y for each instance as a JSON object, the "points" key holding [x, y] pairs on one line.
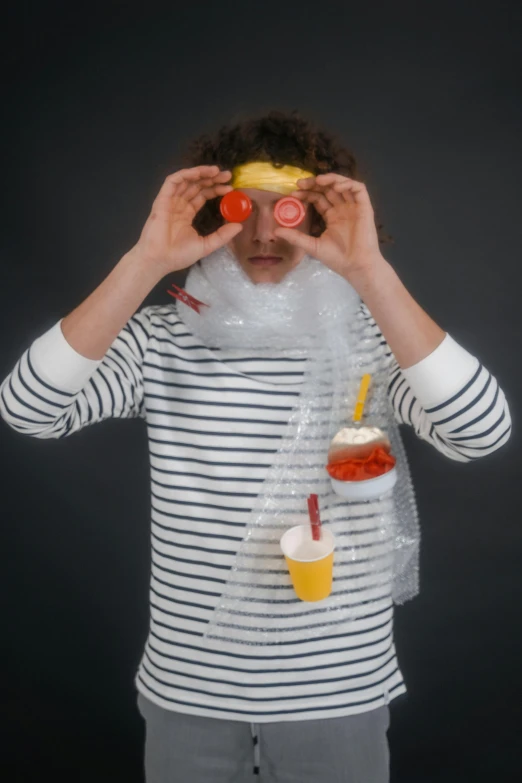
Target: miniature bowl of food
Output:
{"points": [[360, 464]]}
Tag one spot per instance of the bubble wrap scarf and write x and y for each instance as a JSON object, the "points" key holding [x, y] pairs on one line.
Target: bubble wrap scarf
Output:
{"points": [[316, 315]]}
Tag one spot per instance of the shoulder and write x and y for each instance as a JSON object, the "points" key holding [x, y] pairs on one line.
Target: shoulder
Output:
{"points": [[166, 311], [164, 325], [160, 316]]}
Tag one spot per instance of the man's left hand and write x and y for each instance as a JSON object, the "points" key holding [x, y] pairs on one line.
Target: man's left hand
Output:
{"points": [[349, 245]]}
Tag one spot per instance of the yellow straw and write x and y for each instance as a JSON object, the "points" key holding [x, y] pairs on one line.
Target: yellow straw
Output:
{"points": [[361, 397]]}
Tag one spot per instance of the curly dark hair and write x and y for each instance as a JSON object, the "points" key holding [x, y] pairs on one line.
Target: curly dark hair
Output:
{"points": [[281, 138]]}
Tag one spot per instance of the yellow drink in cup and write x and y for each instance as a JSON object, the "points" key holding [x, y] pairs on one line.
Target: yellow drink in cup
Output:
{"points": [[310, 562]]}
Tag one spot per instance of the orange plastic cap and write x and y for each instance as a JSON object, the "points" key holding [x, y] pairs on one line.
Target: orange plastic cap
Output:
{"points": [[289, 212], [235, 206]]}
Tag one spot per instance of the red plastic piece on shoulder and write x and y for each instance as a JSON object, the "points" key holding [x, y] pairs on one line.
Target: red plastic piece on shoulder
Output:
{"points": [[235, 206], [289, 212], [186, 298]]}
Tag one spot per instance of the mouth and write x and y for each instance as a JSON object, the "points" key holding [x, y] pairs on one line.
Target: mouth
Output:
{"points": [[265, 261]]}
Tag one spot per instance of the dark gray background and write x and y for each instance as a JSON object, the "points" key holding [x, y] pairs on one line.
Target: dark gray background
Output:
{"points": [[99, 101]]}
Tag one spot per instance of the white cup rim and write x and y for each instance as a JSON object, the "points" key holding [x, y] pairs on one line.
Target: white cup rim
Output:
{"points": [[293, 530]]}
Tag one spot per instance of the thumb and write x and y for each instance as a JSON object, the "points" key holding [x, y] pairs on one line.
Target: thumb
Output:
{"points": [[297, 238], [220, 237]]}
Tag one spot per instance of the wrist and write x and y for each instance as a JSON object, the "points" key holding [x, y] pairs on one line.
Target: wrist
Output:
{"points": [[375, 273], [146, 269]]}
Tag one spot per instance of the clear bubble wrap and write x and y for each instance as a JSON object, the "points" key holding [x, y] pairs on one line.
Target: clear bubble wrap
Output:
{"points": [[316, 314]]}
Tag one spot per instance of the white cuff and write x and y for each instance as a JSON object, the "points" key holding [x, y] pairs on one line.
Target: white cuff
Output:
{"points": [[58, 364], [442, 374]]}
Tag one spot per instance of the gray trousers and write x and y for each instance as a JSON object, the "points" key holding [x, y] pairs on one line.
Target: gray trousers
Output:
{"points": [[190, 749]]}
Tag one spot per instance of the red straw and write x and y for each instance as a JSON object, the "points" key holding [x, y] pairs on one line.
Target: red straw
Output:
{"points": [[315, 520]]}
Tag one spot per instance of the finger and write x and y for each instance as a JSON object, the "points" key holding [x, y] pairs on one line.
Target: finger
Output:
{"points": [[316, 198], [345, 191], [223, 176], [197, 172], [357, 191], [307, 183], [207, 193], [184, 176], [177, 184], [220, 237], [334, 199], [174, 185], [188, 188], [337, 182], [193, 189], [322, 180], [297, 238], [331, 177]]}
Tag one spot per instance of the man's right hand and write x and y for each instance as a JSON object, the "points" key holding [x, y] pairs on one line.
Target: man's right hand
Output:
{"points": [[168, 238]]}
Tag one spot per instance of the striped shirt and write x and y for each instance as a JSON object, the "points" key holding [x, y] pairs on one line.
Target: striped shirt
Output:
{"points": [[214, 421]]}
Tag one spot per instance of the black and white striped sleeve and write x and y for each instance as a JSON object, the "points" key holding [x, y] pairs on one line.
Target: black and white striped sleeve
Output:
{"points": [[53, 391], [452, 401]]}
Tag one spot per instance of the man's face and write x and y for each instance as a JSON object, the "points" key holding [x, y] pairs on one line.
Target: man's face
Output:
{"points": [[265, 257]]}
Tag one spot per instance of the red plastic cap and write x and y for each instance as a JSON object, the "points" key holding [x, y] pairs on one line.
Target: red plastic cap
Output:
{"points": [[289, 212], [235, 206]]}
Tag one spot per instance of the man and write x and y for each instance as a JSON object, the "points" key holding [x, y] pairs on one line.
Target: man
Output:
{"points": [[287, 691]]}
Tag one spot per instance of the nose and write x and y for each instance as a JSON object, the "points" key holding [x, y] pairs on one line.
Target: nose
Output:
{"points": [[264, 225]]}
